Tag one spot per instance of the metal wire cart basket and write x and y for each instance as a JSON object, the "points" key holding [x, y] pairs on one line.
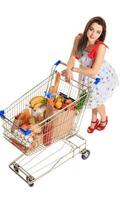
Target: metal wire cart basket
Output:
{"points": [[49, 115]]}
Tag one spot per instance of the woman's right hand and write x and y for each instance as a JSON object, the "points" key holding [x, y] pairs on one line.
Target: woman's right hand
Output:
{"points": [[68, 75]]}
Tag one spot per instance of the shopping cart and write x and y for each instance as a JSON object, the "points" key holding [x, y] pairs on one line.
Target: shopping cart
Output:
{"points": [[56, 128]]}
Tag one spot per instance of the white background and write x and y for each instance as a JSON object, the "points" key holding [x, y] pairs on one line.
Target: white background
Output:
{"points": [[35, 34]]}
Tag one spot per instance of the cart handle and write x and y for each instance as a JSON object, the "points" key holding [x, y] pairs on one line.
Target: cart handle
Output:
{"points": [[97, 80], [2, 114], [57, 63]]}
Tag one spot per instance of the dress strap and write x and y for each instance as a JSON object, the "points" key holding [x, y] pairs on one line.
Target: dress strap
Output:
{"points": [[92, 53]]}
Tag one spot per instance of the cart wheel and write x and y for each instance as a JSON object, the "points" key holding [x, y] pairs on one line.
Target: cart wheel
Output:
{"points": [[85, 154], [16, 167], [31, 185], [30, 180]]}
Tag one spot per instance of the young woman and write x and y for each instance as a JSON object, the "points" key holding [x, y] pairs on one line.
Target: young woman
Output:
{"points": [[89, 49]]}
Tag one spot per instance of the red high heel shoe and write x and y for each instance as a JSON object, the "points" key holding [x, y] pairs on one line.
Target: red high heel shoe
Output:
{"points": [[91, 130], [101, 126]]}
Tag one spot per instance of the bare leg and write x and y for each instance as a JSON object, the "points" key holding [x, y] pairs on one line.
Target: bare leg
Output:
{"points": [[101, 110], [104, 120], [94, 121], [94, 114], [94, 117]]}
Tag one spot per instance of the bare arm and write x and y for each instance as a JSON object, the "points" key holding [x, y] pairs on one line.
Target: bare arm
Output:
{"points": [[71, 61], [96, 65], [70, 64]]}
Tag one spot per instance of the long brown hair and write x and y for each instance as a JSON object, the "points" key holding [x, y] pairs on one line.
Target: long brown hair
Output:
{"points": [[83, 40]]}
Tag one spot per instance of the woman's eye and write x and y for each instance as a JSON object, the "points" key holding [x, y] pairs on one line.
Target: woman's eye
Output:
{"points": [[98, 32]]}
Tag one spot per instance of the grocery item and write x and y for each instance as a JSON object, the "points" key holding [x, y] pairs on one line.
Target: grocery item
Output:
{"points": [[25, 126], [68, 101], [82, 99], [21, 119], [53, 89], [49, 111], [20, 146], [47, 134], [58, 104], [37, 102], [62, 124], [39, 113], [57, 80], [50, 102], [32, 120]]}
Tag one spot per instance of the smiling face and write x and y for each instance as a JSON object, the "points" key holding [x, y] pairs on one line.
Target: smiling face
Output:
{"points": [[94, 32]]}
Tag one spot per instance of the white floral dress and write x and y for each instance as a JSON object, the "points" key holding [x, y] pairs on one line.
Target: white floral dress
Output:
{"points": [[108, 79]]}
